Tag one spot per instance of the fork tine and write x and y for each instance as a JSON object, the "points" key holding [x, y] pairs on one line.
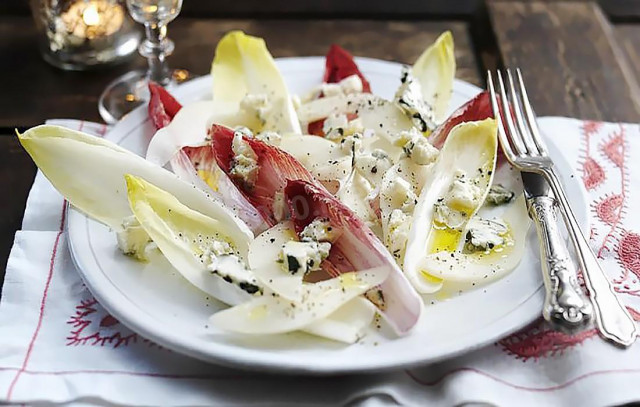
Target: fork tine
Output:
{"points": [[520, 120], [514, 134], [531, 116], [502, 136]]}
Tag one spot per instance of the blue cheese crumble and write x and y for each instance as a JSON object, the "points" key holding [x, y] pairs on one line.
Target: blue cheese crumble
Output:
{"points": [[416, 147], [485, 234], [220, 258], [462, 196], [301, 258], [133, 239], [409, 98], [349, 85], [337, 126], [256, 105], [244, 166]]}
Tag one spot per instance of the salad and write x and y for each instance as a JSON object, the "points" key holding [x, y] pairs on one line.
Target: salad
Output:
{"points": [[323, 212]]}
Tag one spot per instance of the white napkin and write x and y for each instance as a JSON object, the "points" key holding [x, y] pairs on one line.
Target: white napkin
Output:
{"points": [[57, 345]]}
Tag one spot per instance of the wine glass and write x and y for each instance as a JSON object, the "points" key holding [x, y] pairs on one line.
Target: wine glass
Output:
{"points": [[131, 89]]}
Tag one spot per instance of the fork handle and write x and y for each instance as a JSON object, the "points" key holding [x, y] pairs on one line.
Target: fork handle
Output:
{"points": [[612, 318], [565, 305]]}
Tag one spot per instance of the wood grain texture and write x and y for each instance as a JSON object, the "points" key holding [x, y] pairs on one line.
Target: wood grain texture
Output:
{"points": [[629, 39], [569, 56], [16, 176], [38, 91]]}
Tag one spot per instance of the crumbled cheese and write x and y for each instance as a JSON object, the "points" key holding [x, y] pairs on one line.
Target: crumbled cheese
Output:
{"points": [[243, 131], [463, 193], [499, 195], [349, 85], [244, 166], [398, 226], [337, 126], [417, 148], [303, 257], [402, 195], [269, 137], [220, 258], [351, 144], [256, 104], [373, 165], [320, 230], [133, 239], [409, 98], [485, 234], [444, 215]]}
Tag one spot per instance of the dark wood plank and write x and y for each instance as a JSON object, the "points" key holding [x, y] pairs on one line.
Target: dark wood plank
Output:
{"points": [[16, 176], [569, 57], [622, 10], [325, 8], [629, 40], [38, 91]]}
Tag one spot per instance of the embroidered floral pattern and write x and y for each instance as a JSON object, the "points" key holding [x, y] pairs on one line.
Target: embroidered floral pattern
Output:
{"points": [[92, 325], [608, 237]]}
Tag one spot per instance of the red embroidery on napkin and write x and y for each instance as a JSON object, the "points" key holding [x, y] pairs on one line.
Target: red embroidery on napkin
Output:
{"points": [[91, 325], [43, 302], [609, 208], [592, 173], [538, 340], [629, 252], [614, 148]]}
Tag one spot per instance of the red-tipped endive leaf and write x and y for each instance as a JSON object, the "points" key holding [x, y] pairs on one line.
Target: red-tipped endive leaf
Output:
{"points": [[360, 247], [275, 168], [162, 106], [339, 64], [476, 109], [198, 166]]}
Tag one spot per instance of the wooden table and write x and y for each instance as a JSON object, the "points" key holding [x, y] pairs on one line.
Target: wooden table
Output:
{"points": [[577, 63]]}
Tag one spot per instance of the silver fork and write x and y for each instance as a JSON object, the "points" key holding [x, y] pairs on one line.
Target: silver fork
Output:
{"points": [[526, 150]]}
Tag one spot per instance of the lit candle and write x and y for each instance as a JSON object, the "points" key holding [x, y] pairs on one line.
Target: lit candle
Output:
{"points": [[83, 21]]}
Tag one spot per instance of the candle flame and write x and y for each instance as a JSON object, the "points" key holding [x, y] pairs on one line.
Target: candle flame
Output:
{"points": [[90, 16]]}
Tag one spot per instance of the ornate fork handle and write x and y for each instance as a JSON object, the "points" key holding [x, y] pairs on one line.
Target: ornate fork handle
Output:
{"points": [[612, 318], [565, 305]]}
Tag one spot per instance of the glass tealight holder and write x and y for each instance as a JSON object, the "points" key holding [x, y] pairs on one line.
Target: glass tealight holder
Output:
{"points": [[83, 34]]}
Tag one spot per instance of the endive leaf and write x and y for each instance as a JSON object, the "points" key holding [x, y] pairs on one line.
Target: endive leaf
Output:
{"points": [[435, 70], [481, 267], [273, 314], [478, 108], [470, 149], [89, 172], [263, 259], [198, 166], [187, 238], [347, 323], [274, 168], [385, 118], [357, 248], [243, 65], [190, 125]]}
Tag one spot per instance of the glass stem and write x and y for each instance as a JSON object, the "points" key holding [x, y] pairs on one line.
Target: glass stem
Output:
{"points": [[156, 48]]}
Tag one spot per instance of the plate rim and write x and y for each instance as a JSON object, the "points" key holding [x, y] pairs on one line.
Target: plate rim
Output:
{"points": [[510, 322]]}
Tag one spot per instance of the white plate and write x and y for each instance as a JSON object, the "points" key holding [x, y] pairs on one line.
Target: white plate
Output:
{"points": [[155, 301]]}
